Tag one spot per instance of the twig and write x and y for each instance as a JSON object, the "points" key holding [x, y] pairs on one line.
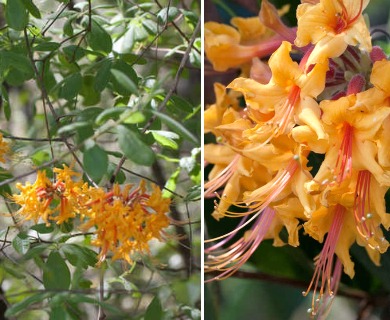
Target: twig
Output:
{"points": [[167, 97], [345, 292], [45, 97], [185, 247], [32, 139]]}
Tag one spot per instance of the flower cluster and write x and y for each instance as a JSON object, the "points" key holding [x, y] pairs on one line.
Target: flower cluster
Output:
{"points": [[334, 105], [123, 220]]}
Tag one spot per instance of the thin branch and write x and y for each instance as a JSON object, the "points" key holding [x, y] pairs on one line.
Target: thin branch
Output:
{"points": [[185, 246], [32, 139], [167, 97], [45, 97], [153, 181], [179, 30], [343, 291]]}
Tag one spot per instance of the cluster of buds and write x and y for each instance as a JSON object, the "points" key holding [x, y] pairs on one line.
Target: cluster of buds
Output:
{"points": [[123, 220], [332, 105]]}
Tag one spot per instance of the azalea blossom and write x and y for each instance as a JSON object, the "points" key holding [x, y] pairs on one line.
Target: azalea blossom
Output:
{"points": [[126, 219], [227, 47], [38, 200], [332, 25], [287, 99]]}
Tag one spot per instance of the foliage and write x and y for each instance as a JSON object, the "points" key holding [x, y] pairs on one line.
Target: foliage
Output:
{"points": [[111, 89]]}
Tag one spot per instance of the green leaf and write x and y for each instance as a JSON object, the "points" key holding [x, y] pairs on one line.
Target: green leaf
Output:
{"points": [[98, 38], [179, 105], [194, 193], [90, 96], [171, 184], [132, 58], [133, 147], [109, 114], [32, 8], [36, 250], [21, 243], [71, 128], [177, 127], [195, 57], [71, 86], [165, 138], [103, 75], [26, 303], [56, 274], [16, 14], [150, 26], [58, 313], [18, 65], [48, 76], [68, 28], [188, 291], [73, 53], [5, 102], [122, 83], [154, 310], [95, 162], [47, 46], [42, 228], [132, 117], [167, 15], [5, 189], [79, 256], [135, 32]]}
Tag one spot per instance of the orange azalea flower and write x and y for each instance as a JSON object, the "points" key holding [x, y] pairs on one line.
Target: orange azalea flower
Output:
{"points": [[350, 212], [39, 199], [287, 99], [35, 199], [357, 148], [126, 220], [227, 47], [232, 172], [332, 25], [213, 115], [289, 179]]}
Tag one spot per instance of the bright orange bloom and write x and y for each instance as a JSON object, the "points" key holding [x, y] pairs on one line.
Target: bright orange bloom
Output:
{"points": [[126, 220], [227, 47], [35, 199], [287, 99], [332, 25], [352, 134], [56, 201]]}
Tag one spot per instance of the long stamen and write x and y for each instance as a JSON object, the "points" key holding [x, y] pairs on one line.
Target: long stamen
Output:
{"points": [[229, 260], [324, 263], [350, 21], [221, 178], [364, 218], [261, 198], [343, 19], [288, 108], [344, 159]]}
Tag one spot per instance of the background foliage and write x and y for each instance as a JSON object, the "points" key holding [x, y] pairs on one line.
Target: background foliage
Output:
{"points": [[270, 286], [113, 88]]}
